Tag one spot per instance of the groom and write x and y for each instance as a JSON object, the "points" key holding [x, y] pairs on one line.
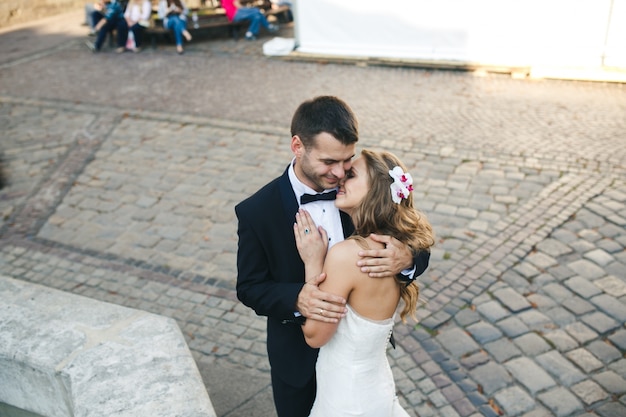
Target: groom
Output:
{"points": [[270, 276]]}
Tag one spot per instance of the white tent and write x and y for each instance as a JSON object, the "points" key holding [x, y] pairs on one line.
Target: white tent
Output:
{"points": [[566, 33]]}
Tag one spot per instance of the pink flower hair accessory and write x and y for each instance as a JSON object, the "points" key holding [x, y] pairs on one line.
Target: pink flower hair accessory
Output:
{"points": [[402, 184]]}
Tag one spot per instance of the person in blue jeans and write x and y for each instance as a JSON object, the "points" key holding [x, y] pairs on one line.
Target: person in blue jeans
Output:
{"points": [[174, 15], [110, 18], [235, 13]]}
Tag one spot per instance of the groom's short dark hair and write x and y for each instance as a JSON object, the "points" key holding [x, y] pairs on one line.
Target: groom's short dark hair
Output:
{"points": [[325, 114]]}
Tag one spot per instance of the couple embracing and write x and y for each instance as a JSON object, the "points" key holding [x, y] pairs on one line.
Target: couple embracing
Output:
{"points": [[326, 252]]}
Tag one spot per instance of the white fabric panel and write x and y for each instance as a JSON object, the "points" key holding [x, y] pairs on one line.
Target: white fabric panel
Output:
{"points": [[499, 32]]}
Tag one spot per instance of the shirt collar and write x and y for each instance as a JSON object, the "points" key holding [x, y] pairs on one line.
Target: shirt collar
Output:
{"points": [[298, 186]]}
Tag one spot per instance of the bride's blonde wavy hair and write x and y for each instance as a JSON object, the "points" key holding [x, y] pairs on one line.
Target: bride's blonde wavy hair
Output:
{"points": [[377, 213]]}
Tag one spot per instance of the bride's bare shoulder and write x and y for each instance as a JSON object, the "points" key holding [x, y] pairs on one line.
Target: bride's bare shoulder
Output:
{"points": [[352, 247], [343, 251], [341, 262], [345, 247]]}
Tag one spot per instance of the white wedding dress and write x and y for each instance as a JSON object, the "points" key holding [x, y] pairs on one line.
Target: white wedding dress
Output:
{"points": [[353, 374]]}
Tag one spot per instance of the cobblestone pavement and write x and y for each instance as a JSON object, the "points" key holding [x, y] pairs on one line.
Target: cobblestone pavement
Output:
{"points": [[125, 170]]}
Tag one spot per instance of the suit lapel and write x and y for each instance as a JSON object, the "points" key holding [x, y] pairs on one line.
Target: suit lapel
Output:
{"points": [[288, 198], [346, 224]]}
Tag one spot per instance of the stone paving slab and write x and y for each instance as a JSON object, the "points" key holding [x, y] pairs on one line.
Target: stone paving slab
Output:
{"points": [[126, 195]]}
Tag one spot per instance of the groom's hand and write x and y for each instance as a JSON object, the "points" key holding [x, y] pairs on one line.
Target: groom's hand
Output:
{"points": [[395, 258], [315, 304]]}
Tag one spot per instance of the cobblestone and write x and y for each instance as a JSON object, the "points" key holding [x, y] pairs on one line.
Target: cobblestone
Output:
{"points": [[585, 360], [561, 402], [514, 401], [560, 368], [491, 377], [529, 374], [589, 392], [531, 344], [611, 409], [512, 300], [604, 351]]}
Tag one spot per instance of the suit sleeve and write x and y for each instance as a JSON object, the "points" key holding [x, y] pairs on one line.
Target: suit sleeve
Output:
{"points": [[260, 257], [420, 263], [420, 260]]}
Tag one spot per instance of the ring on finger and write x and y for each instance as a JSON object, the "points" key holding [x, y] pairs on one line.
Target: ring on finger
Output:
{"points": [[321, 311], [306, 231]]}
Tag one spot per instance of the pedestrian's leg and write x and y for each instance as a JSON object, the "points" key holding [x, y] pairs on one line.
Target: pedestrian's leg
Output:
{"points": [[267, 25], [172, 24], [138, 32], [263, 21], [248, 13], [122, 33], [175, 25], [96, 16], [255, 22], [102, 34], [185, 32]]}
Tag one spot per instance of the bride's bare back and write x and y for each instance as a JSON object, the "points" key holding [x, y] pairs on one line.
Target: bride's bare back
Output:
{"points": [[374, 298]]}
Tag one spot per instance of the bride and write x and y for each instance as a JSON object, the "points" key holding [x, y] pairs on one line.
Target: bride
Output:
{"points": [[353, 374]]}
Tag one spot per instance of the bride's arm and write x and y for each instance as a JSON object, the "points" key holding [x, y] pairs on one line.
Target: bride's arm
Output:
{"points": [[337, 267], [312, 244]]}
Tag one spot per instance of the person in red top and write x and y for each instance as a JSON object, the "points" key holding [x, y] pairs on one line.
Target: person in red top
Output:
{"points": [[235, 12]]}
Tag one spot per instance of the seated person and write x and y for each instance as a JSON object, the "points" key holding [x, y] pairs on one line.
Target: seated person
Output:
{"points": [[174, 15], [110, 18], [137, 17], [280, 3], [235, 12], [90, 9]]}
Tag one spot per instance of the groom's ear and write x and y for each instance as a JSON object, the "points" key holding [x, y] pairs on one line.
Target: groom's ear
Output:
{"points": [[297, 147]]}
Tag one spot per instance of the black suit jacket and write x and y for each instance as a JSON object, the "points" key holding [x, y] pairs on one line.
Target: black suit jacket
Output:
{"points": [[270, 274]]}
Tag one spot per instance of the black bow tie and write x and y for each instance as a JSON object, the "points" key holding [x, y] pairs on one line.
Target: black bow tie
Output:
{"points": [[308, 198]]}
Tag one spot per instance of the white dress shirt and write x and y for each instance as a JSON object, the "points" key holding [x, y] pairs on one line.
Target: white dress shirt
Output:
{"points": [[323, 212]]}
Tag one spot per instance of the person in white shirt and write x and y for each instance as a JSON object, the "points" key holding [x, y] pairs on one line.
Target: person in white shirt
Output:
{"points": [[137, 17]]}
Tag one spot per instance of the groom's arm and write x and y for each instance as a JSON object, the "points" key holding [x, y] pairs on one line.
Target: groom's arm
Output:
{"points": [[256, 286]]}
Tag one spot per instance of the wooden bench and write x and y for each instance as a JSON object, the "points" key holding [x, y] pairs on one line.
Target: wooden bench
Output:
{"points": [[211, 18], [206, 19]]}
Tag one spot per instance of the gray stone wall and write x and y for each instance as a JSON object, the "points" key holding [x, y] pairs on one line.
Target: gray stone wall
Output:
{"points": [[66, 355], [21, 11]]}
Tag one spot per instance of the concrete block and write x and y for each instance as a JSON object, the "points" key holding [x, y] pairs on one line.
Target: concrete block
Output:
{"points": [[68, 355]]}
